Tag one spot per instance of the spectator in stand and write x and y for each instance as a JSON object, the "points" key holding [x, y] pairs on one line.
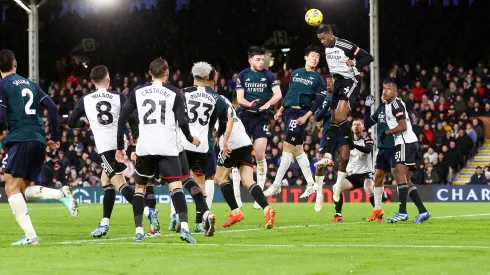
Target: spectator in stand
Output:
{"points": [[472, 133], [418, 91], [429, 135], [224, 89], [431, 155], [478, 178], [476, 110], [441, 168], [486, 111], [431, 176], [72, 80]]}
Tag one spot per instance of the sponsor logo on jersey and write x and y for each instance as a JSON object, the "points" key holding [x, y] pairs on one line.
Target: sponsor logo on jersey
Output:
{"points": [[255, 87], [302, 80]]}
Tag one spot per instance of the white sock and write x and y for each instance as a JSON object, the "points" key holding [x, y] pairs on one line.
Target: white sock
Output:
{"points": [[105, 221], [209, 185], [235, 175], [304, 164], [172, 208], [286, 159], [146, 211], [140, 230], [184, 225], [319, 182], [340, 177], [261, 173], [378, 197], [265, 209], [206, 214], [42, 193], [19, 208]]}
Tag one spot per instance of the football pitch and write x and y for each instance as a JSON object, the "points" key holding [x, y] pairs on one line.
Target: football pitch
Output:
{"points": [[455, 240]]}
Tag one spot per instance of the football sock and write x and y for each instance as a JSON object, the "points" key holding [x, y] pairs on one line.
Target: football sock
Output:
{"points": [[414, 195], [338, 205], [319, 182], [201, 206], [371, 199], [378, 197], [261, 173], [402, 194], [138, 205], [209, 185], [258, 195], [229, 196], [180, 204], [150, 199], [42, 193], [172, 208], [235, 175], [286, 159], [127, 192], [108, 201], [19, 208], [340, 177], [304, 164]]}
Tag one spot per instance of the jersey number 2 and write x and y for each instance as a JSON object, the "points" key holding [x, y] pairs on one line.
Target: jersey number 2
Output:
{"points": [[27, 108], [153, 105]]}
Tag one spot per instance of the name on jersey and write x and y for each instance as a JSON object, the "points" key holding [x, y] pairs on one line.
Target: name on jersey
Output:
{"points": [[102, 95], [255, 87], [334, 57], [20, 81], [303, 80], [204, 95], [155, 91]]}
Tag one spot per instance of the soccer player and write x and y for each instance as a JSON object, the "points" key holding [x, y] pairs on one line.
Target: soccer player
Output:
{"points": [[359, 170], [257, 90], [161, 110], [21, 114], [344, 59], [307, 90], [236, 151], [406, 144], [102, 109]]}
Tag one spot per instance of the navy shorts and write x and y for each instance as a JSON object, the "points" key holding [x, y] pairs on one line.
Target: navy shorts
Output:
{"points": [[24, 160], [340, 142], [295, 134], [211, 167], [385, 160], [256, 124]]}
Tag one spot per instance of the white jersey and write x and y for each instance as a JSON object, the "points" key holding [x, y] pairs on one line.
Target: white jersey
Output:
{"points": [[156, 104], [238, 137], [396, 111], [102, 109], [338, 55], [201, 107], [359, 162]]}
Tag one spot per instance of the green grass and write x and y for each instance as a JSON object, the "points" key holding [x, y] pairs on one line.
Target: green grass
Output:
{"points": [[303, 242]]}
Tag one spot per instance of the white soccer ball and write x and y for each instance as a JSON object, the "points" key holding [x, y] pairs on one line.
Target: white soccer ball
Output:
{"points": [[314, 17]]}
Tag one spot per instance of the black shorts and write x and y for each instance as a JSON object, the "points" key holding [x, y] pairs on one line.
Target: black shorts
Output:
{"points": [[407, 154], [339, 143], [110, 165], [25, 160], [168, 167], [346, 89], [237, 158], [211, 167], [357, 180], [385, 160], [184, 165], [295, 134], [197, 162], [256, 124]]}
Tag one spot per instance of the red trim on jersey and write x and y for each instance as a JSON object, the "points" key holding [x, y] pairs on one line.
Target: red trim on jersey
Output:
{"points": [[399, 114], [356, 51], [171, 177], [246, 163]]}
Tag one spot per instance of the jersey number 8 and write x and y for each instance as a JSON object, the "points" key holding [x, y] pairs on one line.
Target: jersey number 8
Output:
{"points": [[104, 115]]}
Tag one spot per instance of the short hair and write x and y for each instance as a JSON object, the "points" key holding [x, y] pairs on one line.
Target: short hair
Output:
{"points": [[99, 73], [212, 73], [7, 59], [201, 69], [158, 67], [255, 50], [392, 84], [312, 48], [361, 120], [323, 28]]}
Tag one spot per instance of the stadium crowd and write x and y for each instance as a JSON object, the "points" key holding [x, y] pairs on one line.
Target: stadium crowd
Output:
{"points": [[444, 104]]}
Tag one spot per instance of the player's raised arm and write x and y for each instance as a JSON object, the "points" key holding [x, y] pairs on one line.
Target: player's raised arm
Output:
{"points": [[78, 112], [362, 57], [54, 120], [126, 111], [370, 120]]}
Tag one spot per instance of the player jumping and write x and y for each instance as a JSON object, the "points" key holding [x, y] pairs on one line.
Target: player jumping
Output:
{"points": [[307, 90], [344, 60], [257, 90], [21, 115], [160, 109]]}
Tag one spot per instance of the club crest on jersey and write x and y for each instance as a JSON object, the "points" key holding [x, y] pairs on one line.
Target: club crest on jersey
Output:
{"points": [[263, 79]]}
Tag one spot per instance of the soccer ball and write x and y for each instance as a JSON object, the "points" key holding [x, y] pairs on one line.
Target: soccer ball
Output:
{"points": [[314, 17]]}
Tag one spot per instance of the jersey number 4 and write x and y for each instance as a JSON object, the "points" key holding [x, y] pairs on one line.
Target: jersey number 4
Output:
{"points": [[30, 95], [193, 109]]}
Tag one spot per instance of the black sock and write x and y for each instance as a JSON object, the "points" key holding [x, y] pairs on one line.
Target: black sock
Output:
{"points": [[258, 195], [201, 206], [127, 192], [371, 199], [338, 205], [402, 197], [414, 195], [229, 195], [347, 132], [138, 206], [332, 138], [150, 199], [109, 199], [178, 199]]}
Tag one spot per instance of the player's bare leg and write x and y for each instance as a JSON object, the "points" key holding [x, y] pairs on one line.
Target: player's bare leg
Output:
{"points": [[378, 189], [44, 193], [14, 188], [260, 145]]}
